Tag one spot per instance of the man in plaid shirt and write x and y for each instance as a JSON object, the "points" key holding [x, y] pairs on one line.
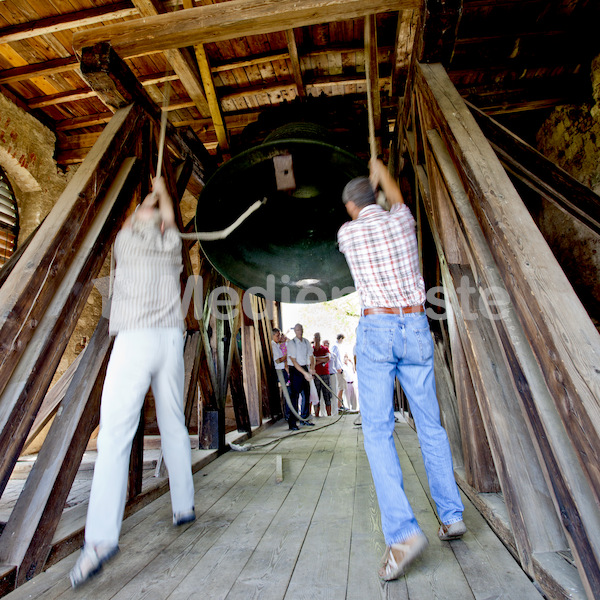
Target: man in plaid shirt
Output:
{"points": [[393, 340]]}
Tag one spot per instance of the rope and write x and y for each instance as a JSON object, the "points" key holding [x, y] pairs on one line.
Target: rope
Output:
{"points": [[286, 395], [223, 233], [372, 141], [163, 128], [381, 200]]}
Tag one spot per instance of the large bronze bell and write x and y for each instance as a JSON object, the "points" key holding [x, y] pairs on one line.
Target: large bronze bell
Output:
{"points": [[288, 247]]}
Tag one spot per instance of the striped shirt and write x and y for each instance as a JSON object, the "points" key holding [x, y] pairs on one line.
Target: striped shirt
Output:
{"points": [[147, 288], [381, 251]]}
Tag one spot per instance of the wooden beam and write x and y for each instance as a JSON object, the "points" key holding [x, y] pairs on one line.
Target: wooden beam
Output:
{"points": [[265, 329], [296, 69], [52, 401], [115, 83], [50, 67], [446, 395], [479, 466], [250, 62], [566, 343], [238, 396], [85, 121], [406, 33], [250, 370], [541, 174], [441, 20], [564, 474], [28, 290], [33, 521], [180, 60], [60, 98], [211, 23], [80, 18], [553, 362], [46, 305], [85, 140], [214, 105]]}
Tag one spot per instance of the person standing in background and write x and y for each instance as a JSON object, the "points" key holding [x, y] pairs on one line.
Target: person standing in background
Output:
{"points": [[301, 362], [338, 364], [280, 362], [321, 354]]}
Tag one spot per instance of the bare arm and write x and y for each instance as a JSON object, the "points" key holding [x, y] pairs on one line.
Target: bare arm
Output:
{"points": [[165, 204], [158, 198], [307, 375], [380, 176]]}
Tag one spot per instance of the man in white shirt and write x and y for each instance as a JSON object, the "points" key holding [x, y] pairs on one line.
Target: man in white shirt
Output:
{"points": [[280, 360], [302, 363]]}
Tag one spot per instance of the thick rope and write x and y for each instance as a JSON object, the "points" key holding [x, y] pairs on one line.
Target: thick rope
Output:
{"points": [[163, 128], [223, 233]]}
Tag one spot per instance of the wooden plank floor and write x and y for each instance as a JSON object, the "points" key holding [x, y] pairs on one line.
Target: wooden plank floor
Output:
{"points": [[316, 535]]}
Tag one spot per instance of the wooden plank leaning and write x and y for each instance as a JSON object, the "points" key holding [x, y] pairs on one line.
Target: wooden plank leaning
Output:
{"points": [[521, 479], [574, 499], [27, 537], [29, 289], [539, 173], [564, 340], [63, 295], [478, 462]]}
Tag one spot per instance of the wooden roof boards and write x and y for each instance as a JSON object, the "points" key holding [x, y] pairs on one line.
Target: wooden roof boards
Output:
{"points": [[502, 56]]}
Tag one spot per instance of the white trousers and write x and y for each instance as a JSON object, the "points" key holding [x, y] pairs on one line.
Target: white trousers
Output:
{"points": [[140, 358]]}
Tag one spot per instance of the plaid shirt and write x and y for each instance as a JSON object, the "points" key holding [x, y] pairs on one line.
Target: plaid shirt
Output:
{"points": [[381, 250]]}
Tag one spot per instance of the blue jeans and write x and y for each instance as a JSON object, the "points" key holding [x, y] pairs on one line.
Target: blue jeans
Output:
{"points": [[390, 346]]}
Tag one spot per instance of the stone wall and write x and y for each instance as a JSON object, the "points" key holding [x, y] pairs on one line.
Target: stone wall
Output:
{"points": [[27, 157], [570, 138]]}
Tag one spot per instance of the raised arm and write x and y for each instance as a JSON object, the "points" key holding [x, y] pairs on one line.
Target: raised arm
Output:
{"points": [[159, 199], [165, 203], [380, 176]]}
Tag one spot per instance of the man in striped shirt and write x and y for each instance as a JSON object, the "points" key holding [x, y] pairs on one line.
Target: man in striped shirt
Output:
{"points": [[394, 341], [148, 351]]}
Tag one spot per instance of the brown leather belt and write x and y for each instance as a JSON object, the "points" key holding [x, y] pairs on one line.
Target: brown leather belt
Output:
{"points": [[381, 310]]}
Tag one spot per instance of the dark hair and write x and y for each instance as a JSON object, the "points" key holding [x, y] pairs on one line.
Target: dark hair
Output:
{"points": [[275, 330], [359, 191], [340, 336]]}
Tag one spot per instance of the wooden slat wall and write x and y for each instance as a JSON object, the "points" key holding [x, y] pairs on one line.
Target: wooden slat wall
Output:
{"points": [[533, 366]]}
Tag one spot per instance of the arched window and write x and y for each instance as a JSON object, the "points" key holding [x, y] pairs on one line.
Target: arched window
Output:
{"points": [[9, 219]]}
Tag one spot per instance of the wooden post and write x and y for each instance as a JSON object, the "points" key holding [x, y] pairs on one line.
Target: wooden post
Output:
{"points": [[249, 368], [238, 395], [27, 537], [564, 474], [478, 462], [31, 286]]}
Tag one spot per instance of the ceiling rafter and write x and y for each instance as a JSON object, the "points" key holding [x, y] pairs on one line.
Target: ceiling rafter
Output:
{"points": [[81, 18], [295, 60], [177, 58], [214, 106], [210, 23]]}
